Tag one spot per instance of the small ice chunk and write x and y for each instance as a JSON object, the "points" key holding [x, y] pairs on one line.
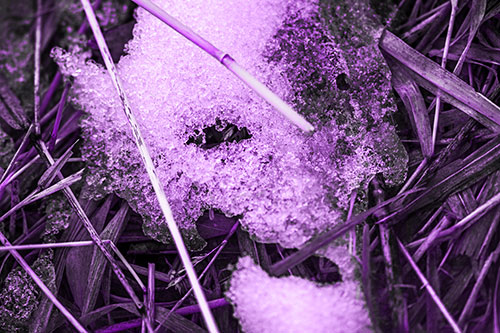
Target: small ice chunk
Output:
{"points": [[291, 304]]}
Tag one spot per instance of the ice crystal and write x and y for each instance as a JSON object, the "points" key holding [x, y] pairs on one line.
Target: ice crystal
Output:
{"points": [[287, 185], [291, 304], [20, 295]]}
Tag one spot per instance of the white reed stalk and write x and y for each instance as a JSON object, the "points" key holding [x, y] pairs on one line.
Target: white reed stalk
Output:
{"points": [[36, 76], [151, 170], [229, 63]]}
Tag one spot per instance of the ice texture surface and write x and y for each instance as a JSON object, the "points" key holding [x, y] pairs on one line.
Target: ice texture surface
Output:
{"points": [[287, 185], [20, 296], [292, 304]]}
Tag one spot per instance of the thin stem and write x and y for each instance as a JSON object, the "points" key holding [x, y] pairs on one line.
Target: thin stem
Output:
{"points": [[219, 250], [229, 63], [75, 204], [429, 289], [57, 122], [150, 304], [454, 6], [36, 83], [150, 168]]}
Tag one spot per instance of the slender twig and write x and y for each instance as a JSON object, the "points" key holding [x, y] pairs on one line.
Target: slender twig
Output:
{"points": [[42, 285], [150, 168], [226, 60], [429, 289]]}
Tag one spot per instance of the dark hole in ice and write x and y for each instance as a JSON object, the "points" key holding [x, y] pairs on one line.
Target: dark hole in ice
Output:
{"points": [[342, 82], [212, 137]]}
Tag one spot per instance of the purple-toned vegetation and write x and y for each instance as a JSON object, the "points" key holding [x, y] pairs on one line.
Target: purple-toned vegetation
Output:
{"points": [[384, 218]]}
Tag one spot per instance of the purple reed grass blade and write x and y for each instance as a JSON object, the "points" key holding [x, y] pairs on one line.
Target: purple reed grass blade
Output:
{"points": [[326, 238], [496, 306], [478, 10], [98, 262], [219, 250], [229, 63], [62, 184], [365, 265], [42, 286], [429, 289], [414, 103], [437, 110], [473, 217], [16, 154], [57, 122], [36, 77], [484, 110], [49, 245], [150, 304], [471, 300], [54, 84], [150, 168], [51, 172], [73, 201], [11, 110]]}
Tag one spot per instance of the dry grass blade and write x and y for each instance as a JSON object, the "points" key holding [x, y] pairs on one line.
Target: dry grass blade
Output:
{"points": [[150, 168], [471, 300], [11, 110], [479, 107], [36, 76], [414, 103], [496, 306], [456, 176], [98, 262], [326, 238], [219, 250], [51, 172], [151, 294], [175, 323], [14, 158], [467, 221], [478, 10], [49, 245], [429, 289], [453, 14], [73, 201], [60, 185]]}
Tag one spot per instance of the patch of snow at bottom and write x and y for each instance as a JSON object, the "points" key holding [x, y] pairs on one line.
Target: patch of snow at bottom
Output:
{"points": [[292, 304]]}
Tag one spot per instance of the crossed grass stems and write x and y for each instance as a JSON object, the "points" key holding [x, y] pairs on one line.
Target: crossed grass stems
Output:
{"points": [[410, 69]]}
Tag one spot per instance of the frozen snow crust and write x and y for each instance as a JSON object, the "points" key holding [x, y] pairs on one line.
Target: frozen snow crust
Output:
{"points": [[267, 304], [287, 185]]}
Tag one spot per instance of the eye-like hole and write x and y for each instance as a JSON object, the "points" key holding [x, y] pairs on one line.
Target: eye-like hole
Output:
{"points": [[342, 82], [212, 137]]}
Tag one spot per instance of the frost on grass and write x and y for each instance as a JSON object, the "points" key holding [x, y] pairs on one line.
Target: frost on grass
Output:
{"points": [[20, 296], [218, 145], [292, 304]]}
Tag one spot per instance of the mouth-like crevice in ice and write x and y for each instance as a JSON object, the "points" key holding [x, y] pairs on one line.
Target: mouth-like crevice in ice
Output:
{"points": [[212, 136]]}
